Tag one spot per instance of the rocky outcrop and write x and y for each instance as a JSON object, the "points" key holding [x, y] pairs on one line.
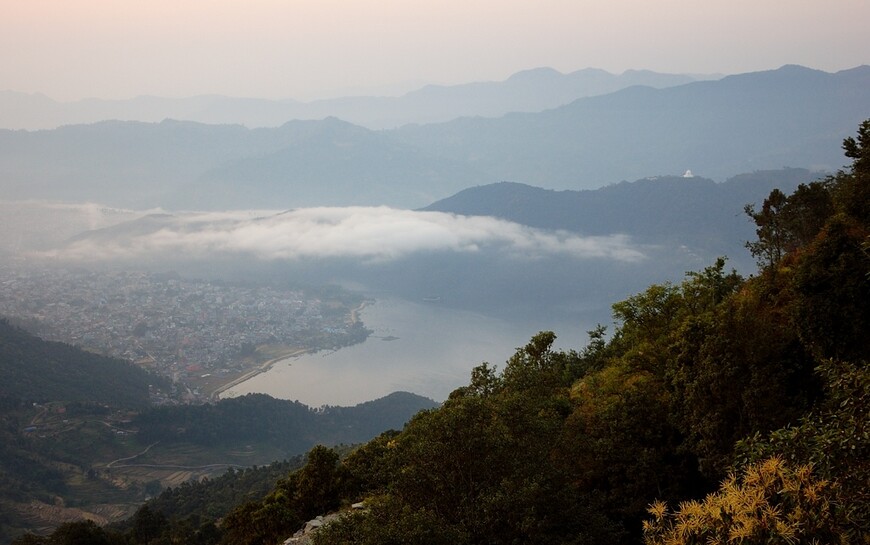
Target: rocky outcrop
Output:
{"points": [[304, 535]]}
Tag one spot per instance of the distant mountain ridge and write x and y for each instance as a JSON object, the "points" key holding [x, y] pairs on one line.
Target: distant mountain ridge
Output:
{"points": [[792, 116], [647, 209], [527, 91], [678, 211]]}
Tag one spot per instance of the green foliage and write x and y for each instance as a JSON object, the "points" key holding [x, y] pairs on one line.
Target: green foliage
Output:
{"points": [[24, 475], [387, 521], [253, 417], [564, 447], [370, 467], [859, 150], [832, 289], [481, 468], [786, 223], [300, 496], [653, 321], [288, 425], [147, 525], [317, 486], [772, 234], [35, 370], [834, 439], [852, 196], [619, 441], [719, 360], [47, 463], [825, 226], [71, 533], [737, 370], [214, 498], [569, 448], [809, 305]]}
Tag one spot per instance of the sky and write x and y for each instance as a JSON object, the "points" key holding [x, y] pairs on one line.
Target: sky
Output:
{"points": [[306, 49]]}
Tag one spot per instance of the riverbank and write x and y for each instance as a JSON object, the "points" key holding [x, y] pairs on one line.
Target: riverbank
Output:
{"points": [[416, 347], [355, 312], [273, 353], [261, 368]]}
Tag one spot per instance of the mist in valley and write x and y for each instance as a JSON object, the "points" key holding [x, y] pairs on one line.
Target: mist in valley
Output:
{"points": [[230, 234], [495, 281]]}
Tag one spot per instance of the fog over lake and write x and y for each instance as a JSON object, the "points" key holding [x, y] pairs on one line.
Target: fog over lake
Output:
{"points": [[419, 347]]}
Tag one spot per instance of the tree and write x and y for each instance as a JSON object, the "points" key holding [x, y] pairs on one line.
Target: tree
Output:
{"points": [[853, 194], [315, 488], [30, 539], [833, 438], [148, 524], [738, 369], [786, 223], [859, 149], [481, 468], [536, 365], [79, 533], [370, 467], [240, 525], [387, 521], [831, 309], [831, 278], [620, 442], [772, 237]]}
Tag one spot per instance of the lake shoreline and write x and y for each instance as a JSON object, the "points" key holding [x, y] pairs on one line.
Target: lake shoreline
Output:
{"points": [[417, 347], [261, 368], [354, 318]]}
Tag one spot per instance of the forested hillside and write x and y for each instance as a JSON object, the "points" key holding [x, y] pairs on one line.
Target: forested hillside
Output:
{"points": [[37, 371], [720, 409], [649, 208], [288, 425], [692, 211], [80, 439]]}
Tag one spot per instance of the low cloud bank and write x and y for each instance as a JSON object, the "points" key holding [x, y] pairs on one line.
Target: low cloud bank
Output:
{"points": [[367, 233]]}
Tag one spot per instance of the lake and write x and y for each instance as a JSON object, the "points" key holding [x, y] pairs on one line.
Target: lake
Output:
{"points": [[425, 348]]}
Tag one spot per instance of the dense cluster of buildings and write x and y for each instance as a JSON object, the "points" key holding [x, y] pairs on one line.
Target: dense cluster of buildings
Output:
{"points": [[179, 328]]}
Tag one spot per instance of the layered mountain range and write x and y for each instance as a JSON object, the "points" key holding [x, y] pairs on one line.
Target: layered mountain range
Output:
{"points": [[527, 91], [717, 129]]}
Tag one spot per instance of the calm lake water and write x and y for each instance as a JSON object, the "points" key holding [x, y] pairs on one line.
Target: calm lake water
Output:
{"points": [[424, 348]]}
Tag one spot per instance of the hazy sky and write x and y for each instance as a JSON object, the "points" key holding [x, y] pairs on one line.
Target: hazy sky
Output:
{"points": [[70, 49]]}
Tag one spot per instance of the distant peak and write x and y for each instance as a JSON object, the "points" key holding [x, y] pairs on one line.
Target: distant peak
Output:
{"points": [[796, 68], [536, 73], [588, 71], [789, 71]]}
